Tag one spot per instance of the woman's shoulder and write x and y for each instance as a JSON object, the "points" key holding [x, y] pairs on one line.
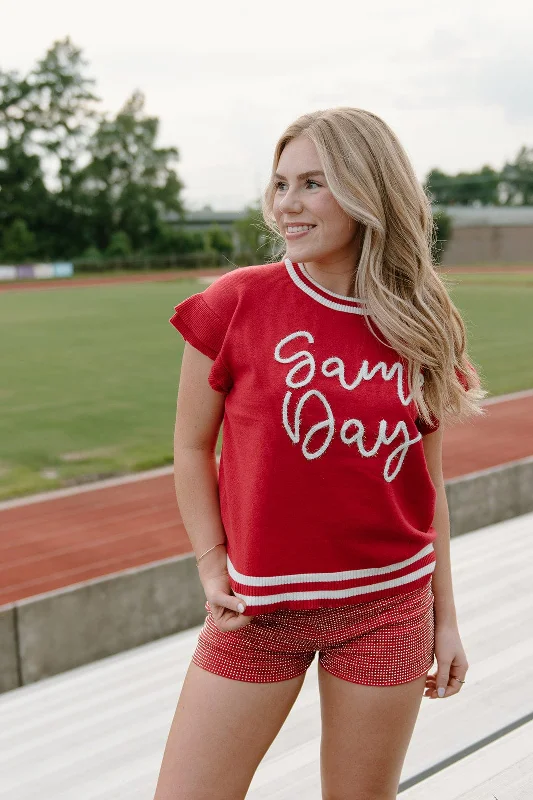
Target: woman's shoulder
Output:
{"points": [[249, 275], [233, 286]]}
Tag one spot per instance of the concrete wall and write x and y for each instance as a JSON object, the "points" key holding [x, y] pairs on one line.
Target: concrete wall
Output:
{"points": [[62, 629], [490, 496], [53, 632], [9, 666], [489, 244]]}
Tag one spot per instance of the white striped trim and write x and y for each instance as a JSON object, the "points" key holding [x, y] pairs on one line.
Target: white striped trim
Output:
{"points": [[323, 288], [350, 309], [324, 577], [335, 594]]}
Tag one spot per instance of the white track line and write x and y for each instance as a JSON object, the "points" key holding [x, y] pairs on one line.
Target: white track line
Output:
{"points": [[85, 487], [156, 473], [504, 398], [134, 477]]}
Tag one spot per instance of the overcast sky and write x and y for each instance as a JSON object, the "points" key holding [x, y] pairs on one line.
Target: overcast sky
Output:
{"points": [[453, 78]]}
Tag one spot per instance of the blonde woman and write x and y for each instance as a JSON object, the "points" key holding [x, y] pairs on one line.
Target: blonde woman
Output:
{"points": [[326, 529]]}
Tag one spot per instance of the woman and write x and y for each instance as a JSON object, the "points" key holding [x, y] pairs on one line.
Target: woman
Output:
{"points": [[327, 528]]}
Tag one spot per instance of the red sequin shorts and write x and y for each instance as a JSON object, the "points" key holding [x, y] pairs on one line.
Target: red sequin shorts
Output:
{"points": [[378, 643]]}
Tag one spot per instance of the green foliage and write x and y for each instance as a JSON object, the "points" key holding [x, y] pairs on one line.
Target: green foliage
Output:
{"points": [[120, 245], [92, 253], [17, 243], [104, 174], [255, 238], [517, 179], [23, 195], [219, 240], [466, 188], [131, 181], [513, 185], [46, 117], [442, 228], [177, 240]]}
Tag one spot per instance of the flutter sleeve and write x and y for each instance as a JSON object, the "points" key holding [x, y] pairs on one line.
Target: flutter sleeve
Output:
{"points": [[425, 427], [203, 320]]}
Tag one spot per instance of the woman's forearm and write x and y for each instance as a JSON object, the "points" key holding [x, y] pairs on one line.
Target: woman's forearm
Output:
{"points": [[441, 585], [196, 483]]}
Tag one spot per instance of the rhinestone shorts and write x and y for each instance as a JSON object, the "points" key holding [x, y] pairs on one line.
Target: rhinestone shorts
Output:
{"points": [[383, 642]]}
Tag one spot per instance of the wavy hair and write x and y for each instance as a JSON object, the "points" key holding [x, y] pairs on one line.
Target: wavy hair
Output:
{"points": [[369, 174]]}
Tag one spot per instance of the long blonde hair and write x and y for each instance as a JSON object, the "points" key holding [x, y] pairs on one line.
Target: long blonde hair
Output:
{"points": [[370, 175]]}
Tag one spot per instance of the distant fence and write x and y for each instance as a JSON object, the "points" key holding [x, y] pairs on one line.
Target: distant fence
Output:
{"points": [[61, 269], [198, 259], [65, 269]]}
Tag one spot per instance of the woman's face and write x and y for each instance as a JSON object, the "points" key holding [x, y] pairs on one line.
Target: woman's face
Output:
{"points": [[306, 199]]}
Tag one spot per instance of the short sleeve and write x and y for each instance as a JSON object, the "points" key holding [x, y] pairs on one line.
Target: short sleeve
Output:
{"points": [[427, 427], [203, 320], [199, 325]]}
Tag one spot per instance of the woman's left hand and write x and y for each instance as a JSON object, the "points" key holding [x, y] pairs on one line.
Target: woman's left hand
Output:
{"points": [[451, 662]]}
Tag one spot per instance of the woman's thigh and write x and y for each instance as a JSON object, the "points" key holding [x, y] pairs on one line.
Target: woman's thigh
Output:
{"points": [[366, 731], [221, 730]]}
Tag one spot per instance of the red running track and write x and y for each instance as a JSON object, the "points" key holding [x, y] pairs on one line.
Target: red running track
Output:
{"points": [[54, 543], [106, 279]]}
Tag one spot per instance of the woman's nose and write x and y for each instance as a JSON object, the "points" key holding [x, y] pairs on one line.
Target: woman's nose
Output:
{"points": [[290, 201]]}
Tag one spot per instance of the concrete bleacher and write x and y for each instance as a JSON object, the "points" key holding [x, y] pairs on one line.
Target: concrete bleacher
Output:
{"points": [[98, 731]]}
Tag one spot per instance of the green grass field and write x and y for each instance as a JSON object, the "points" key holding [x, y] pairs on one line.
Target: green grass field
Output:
{"points": [[90, 376]]}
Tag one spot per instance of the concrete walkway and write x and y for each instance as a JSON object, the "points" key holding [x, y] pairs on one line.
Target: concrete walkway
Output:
{"points": [[98, 732]]}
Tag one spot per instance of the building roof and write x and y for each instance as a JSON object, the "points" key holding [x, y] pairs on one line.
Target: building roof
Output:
{"points": [[206, 216], [505, 216], [462, 216]]}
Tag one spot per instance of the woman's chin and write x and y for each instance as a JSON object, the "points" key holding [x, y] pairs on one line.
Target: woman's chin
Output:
{"points": [[298, 252]]}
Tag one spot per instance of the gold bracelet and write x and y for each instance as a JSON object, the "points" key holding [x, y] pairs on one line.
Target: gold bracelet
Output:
{"points": [[208, 551]]}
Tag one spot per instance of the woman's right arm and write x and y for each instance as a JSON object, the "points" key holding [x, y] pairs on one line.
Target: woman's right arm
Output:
{"points": [[199, 415]]}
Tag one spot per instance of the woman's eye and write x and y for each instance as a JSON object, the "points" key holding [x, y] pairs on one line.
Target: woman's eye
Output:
{"points": [[279, 184]]}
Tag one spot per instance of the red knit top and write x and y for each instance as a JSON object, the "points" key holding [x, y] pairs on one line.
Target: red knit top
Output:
{"points": [[325, 495]]}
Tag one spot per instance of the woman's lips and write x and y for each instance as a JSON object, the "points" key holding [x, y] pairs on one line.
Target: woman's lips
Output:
{"points": [[298, 234]]}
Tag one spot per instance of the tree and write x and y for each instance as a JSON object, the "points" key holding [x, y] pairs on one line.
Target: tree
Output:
{"points": [[45, 119], [62, 111], [63, 118], [513, 185], [119, 245], [91, 253], [15, 104], [23, 194], [253, 235], [75, 176], [219, 240], [517, 179], [465, 188], [170, 240], [132, 183], [17, 243]]}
